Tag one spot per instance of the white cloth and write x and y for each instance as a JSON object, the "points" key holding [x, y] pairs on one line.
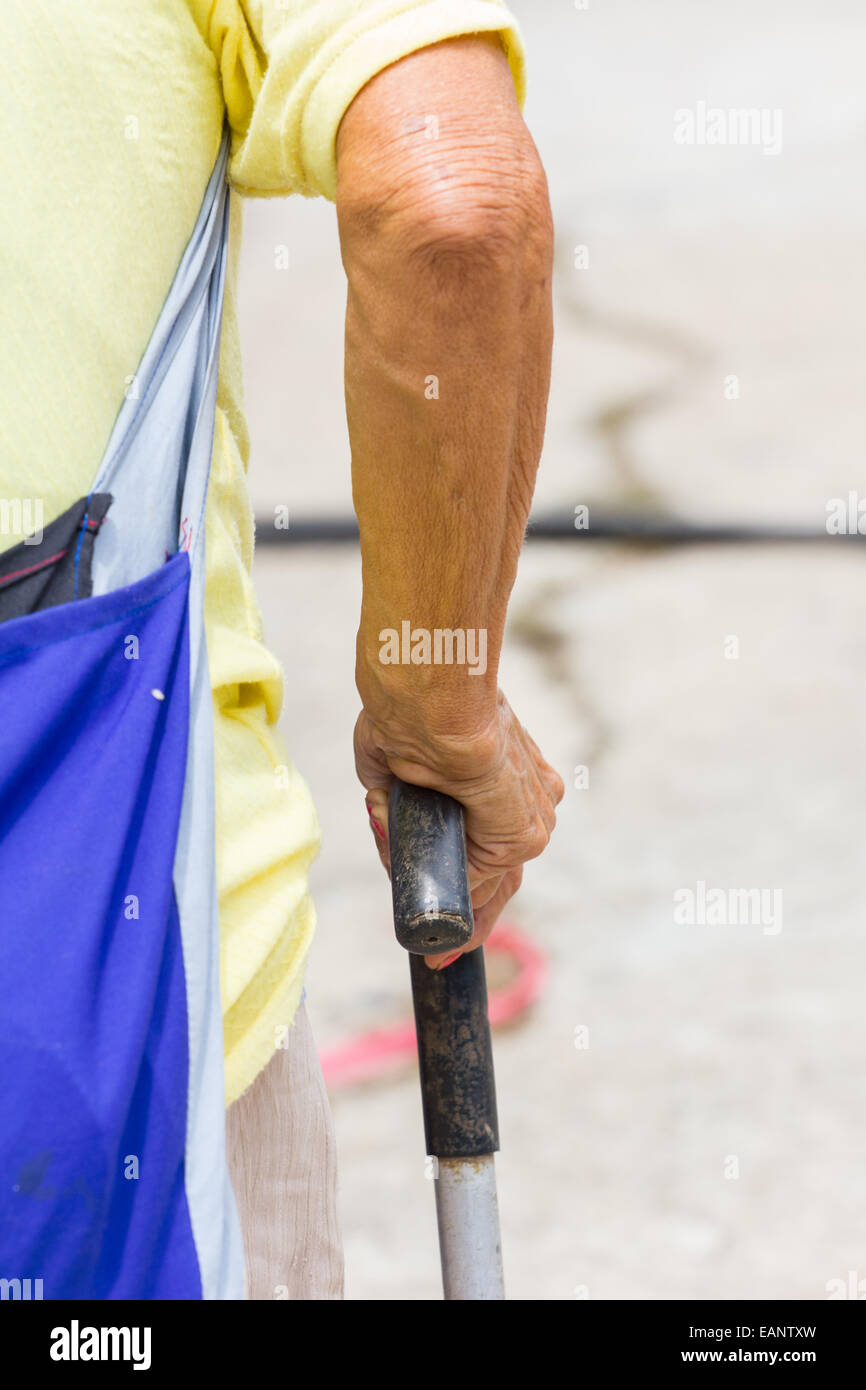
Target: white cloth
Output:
{"points": [[282, 1160]]}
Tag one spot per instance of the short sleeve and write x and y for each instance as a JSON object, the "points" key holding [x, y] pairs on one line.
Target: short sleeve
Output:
{"points": [[290, 68]]}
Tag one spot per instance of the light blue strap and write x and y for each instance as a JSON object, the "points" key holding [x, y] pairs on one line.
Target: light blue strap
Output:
{"points": [[156, 467], [158, 456]]}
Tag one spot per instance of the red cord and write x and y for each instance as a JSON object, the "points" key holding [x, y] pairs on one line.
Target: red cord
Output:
{"points": [[383, 1050]]}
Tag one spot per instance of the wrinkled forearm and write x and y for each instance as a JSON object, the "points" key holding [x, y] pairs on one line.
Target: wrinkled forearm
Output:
{"points": [[447, 247]]}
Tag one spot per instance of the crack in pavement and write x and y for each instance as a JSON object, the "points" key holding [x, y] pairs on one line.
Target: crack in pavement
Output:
{"points": [[613, 420], [530, 628]]}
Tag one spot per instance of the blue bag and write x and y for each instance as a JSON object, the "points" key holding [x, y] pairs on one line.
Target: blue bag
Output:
{"points": [[113, 1177]]}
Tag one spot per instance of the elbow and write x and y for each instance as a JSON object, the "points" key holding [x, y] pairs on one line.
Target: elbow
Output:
{"points": [[485, 218], [495, 223]]}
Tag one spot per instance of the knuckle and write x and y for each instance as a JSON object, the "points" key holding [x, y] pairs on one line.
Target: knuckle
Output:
{"points": [[535, 840], [513, 880]]}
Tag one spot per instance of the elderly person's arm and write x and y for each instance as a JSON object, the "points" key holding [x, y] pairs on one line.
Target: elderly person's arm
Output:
{"points": [[447, 244]]}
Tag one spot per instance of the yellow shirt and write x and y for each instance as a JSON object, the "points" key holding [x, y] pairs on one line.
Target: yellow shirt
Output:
{"points": [[113, 111]]}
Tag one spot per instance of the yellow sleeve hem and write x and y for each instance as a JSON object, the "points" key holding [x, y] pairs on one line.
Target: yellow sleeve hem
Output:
{"points": [[376, 49], [291, 143]]}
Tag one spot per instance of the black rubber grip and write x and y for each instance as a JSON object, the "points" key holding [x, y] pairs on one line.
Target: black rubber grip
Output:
{"points": [[458, 1093], [429, 877]]}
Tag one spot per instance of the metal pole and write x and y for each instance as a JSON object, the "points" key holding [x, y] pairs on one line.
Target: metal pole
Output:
{"points": [[468, 1216]]}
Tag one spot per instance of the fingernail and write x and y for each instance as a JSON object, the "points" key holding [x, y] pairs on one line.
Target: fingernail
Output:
{"points": [[375, 824], [449, 960]]}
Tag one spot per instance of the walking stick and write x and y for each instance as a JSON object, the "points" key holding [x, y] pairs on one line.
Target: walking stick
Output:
{"points": [[433, 914]]}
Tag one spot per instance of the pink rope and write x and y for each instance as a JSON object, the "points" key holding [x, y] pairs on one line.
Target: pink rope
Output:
{"points": [[383, 1051]]}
